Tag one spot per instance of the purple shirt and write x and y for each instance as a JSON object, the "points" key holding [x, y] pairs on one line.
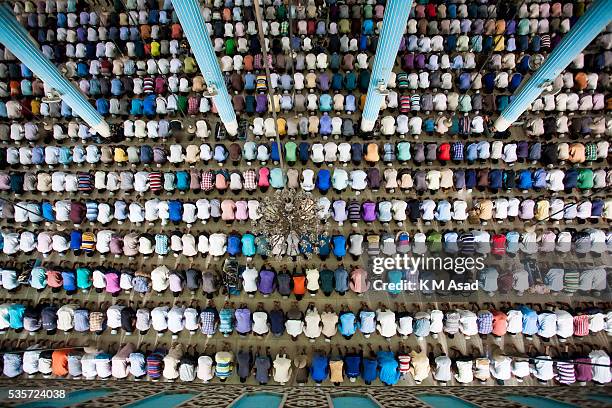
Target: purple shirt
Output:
{"points": [[266, 281], [368, 211], [243, 320]]}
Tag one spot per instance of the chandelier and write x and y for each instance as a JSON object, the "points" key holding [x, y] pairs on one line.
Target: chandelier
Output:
{"points": [[289, 213]]}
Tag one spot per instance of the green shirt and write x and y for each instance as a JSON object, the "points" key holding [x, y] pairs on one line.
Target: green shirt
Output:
{"points": [[590, 152], [367, 11], [277, 178], [189, 65], [403, 151], [326, 280], [290, 149], [465, 103], [585, 179], [230, 47], [83, 276], [281, 12], [181, 102], [522, 28], [344, 26]]}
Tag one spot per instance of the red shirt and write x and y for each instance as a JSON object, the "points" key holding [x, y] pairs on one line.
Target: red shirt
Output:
{"points": [[430, 9], [444, 151], [499, 244], [263, 181], [500, 323], [298, 284]]}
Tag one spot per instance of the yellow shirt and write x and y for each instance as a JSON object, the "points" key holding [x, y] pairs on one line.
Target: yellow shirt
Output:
{"points": [[35, 107], [120, 155], [335, 368], [189, 65], [499, 42], [281, 124], [485, 208], [419, 365], [542, 210]]}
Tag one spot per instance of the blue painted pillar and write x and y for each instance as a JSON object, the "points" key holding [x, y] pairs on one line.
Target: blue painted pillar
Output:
{"points": [[16, 39], [194, 26], [597, 16], [393, 26]]}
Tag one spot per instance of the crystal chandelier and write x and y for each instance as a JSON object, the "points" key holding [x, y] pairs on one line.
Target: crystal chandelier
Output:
{"points": [[292, 213]]}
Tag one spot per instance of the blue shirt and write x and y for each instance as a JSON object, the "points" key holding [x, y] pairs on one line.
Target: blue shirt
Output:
{"points": [[325, 102], [274, 154], [339, 244], [248, 244], [388, 365], [394, 276], [367, 321], [353, 365], [136, 107], [471, 152], [525, 180], [347, 324], [319, 368], [530, 321], [182, 180], [539, 178], [323, 180], [233, 245], [149, 105], [421, 327], [349, 103], [16, 312], [370, 370], [496, 178], [175, 210], [325, 125], [69, 281], [341, 280], [47, 211], [303, 149], [75, 240]]}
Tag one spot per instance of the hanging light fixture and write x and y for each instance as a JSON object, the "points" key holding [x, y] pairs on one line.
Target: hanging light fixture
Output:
{"points": [[292, 213]]}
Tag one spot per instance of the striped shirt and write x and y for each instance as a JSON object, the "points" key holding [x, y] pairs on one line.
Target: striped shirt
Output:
{"points": [[354, 211], [148, 85], [415, 102], [571, 281], [84, 182], [402, 80], [154, 365], [261, 85], [92, 210], [161, 244], [88, 242], [404, 363], [467, 243], [226, 321], [223, 368], [404, 104], [155, 181], [581, 325], [566, 373]]}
